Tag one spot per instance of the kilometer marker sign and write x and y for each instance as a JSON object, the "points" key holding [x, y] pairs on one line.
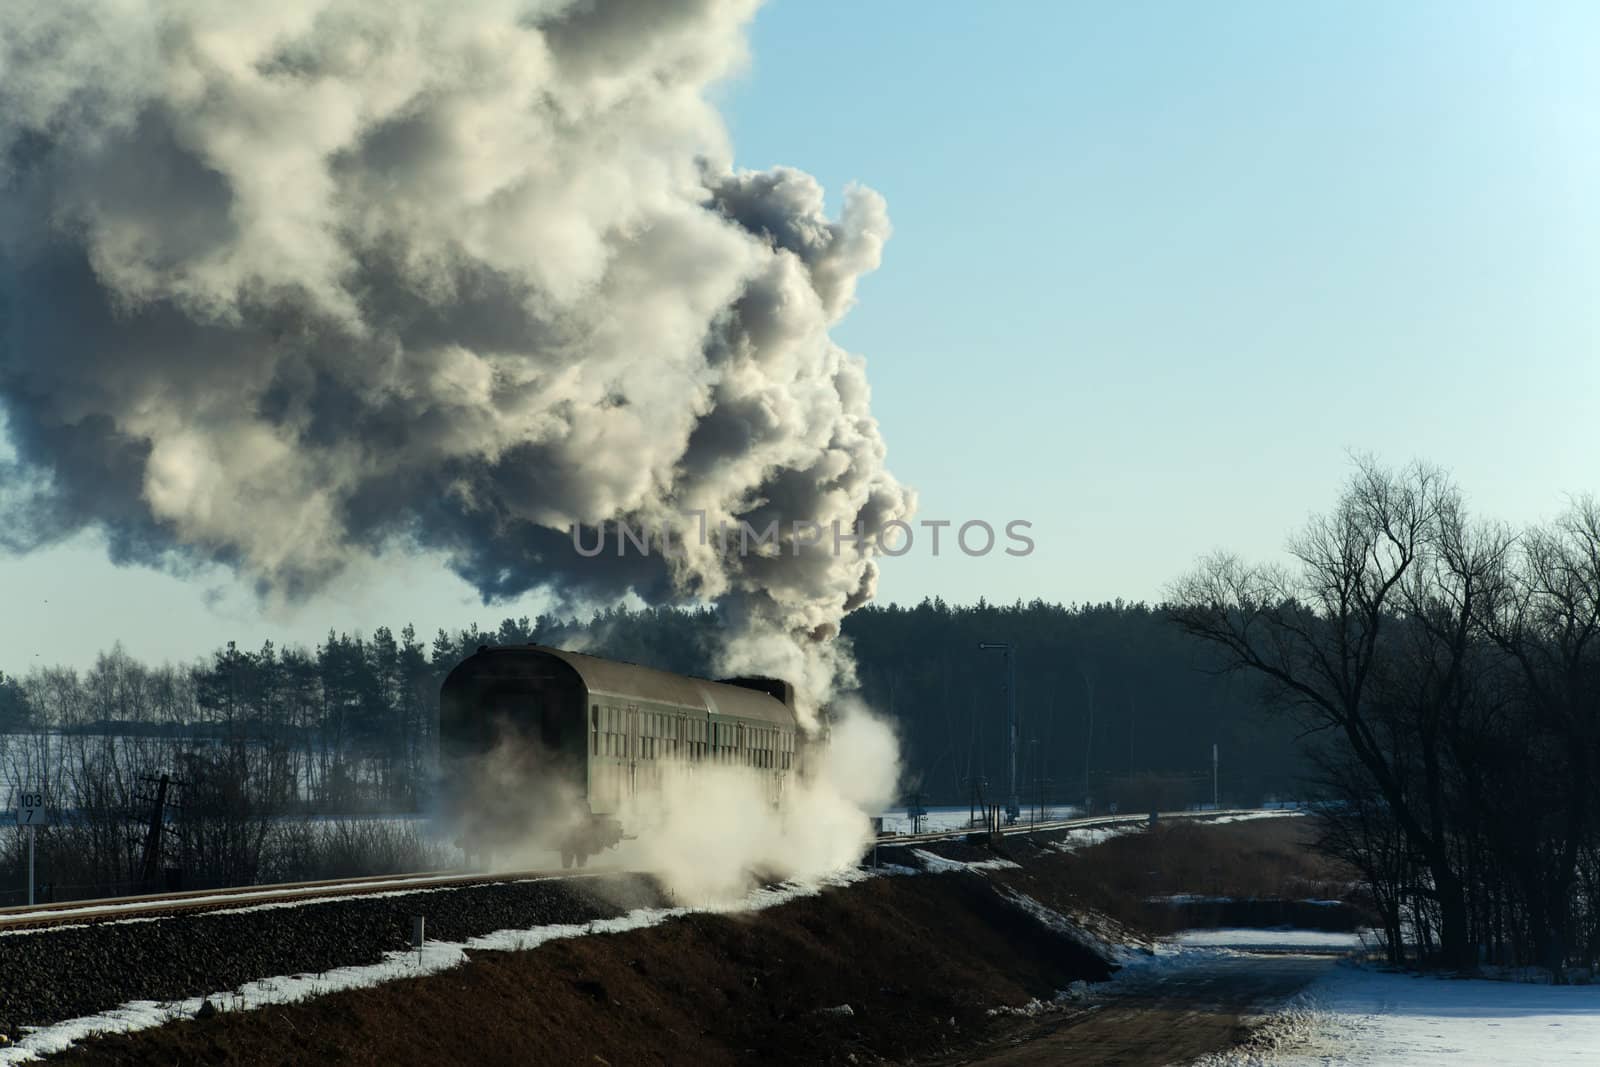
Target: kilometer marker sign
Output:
{"points": [[30, 808], [31, 813]]}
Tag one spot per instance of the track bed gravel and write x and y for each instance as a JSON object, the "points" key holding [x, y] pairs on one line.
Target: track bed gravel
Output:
{"points": [[56, 974]]}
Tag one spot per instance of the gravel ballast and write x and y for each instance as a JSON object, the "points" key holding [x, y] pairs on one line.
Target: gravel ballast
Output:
{"points": [[55, 974]]}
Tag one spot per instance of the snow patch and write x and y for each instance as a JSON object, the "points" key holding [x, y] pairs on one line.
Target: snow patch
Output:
{"points": [[936, 864], [1365, 1017], [1251, 815], [1035, 1007], [1280, 939], [1076, 840], [1099, 934]]}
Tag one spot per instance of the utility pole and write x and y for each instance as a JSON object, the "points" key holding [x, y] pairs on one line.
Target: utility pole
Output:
{"points": [[1013, 801], [1088, 741], [150, 867], [1214, 803]]}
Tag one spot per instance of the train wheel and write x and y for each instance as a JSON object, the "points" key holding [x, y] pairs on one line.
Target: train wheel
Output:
{"points": [[583, 858]]}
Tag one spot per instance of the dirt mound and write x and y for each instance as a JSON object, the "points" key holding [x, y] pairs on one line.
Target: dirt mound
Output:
{"points": [[1133, 877], [892, 968]]}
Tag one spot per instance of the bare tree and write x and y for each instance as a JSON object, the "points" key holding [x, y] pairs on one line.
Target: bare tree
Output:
{"points": [[1325, 638], [1545, 617]]}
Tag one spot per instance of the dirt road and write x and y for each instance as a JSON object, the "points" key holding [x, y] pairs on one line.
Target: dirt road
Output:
{"points": [[1157, 1015]]}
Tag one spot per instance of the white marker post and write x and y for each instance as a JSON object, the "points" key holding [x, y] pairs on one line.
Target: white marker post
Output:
{"points": [[31, 813]]}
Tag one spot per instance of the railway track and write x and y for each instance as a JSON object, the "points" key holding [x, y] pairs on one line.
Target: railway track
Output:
{"points": [[84, 912], [80, 912], [1089, 822]]}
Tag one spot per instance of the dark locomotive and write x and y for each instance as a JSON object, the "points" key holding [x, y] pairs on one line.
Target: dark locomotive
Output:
{"points": [[576, 746]]}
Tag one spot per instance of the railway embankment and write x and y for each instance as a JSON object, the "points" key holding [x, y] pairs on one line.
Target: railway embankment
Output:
{"points": [[921, 959], [75, 971]]}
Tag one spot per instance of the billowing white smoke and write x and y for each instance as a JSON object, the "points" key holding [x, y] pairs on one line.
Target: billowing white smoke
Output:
{"points": [[291, 285], [714, 830], [708, 831]]}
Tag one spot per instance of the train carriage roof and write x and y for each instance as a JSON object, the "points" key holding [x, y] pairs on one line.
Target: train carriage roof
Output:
{"points": [[631, 682]]}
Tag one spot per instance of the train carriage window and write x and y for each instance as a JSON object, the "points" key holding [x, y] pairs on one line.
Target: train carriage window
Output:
{"points": [[594, 730]]}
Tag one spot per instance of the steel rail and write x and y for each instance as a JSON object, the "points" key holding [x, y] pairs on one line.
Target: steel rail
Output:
{"points": [[104, 909]]}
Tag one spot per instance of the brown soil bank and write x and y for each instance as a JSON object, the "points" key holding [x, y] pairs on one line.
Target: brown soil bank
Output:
{"points": [[918, 960], [1267, 868], [899, 968]]}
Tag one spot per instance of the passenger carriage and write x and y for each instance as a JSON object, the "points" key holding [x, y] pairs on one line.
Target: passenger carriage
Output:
{"points": [[577, 746]]}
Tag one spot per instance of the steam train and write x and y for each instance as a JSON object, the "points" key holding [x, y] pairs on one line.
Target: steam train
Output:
{"points": [[571, 750]]}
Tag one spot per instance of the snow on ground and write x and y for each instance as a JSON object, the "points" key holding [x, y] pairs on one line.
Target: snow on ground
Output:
{"points": [[1203, 898], [898, 821], [435, 956], [948, 818], [1089, 836], [935, 864], [1283, 939], [1361, 1016], [1098, 933], [1282, 813]]}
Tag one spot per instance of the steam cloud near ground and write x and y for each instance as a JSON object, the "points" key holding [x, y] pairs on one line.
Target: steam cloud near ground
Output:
{"points": [[716, 832], [292, 286], [711, 830]]}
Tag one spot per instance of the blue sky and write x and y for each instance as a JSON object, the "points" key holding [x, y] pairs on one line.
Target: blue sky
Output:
{"points": [[1157, 268]]}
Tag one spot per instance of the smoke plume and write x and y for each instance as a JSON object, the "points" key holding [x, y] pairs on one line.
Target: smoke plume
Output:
{"points": [[291, 285], [709, 831]]}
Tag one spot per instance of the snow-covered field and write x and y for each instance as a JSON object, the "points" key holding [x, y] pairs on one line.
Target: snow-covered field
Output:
{"points": [[955, 818], [1357, 1015], [1280, 940]]}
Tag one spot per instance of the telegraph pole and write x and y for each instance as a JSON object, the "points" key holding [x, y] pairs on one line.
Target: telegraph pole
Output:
{"points": [[1013, 801], [1214, 803]]}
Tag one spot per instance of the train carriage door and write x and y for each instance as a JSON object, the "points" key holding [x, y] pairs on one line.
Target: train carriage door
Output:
{"points": [[631, 753]]}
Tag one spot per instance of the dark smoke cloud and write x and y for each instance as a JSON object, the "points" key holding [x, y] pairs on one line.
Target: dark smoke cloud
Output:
{"points": [[286, 286]]}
